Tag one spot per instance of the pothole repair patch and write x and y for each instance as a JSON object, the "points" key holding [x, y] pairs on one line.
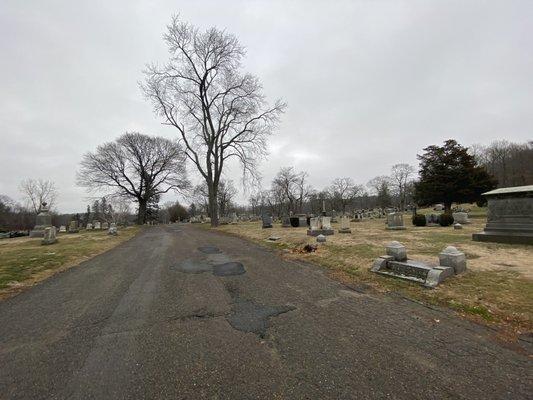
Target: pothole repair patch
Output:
{"points": [[228, 269], [190, 266], [247, 316], [209, 249]]}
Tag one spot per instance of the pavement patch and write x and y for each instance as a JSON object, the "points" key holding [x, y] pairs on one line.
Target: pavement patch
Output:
{"points": [[247, 316], [228, 269], [209, 249], [191, 266]]}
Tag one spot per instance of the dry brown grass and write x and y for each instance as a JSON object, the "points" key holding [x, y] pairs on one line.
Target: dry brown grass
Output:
{"points": [[24, 261], [496, 289]]}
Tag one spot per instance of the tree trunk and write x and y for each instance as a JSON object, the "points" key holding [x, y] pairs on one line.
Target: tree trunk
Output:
{"points": [[447, 207], [213, 204], [141, 214]]}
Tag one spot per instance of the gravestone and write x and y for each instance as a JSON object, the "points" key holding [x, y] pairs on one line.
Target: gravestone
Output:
{"points": [[234, 219], [266, 221], [62, 229], [73, 227], [396, 264], [460, 217], [321, 238], [438, 207], [49, 236], [451, 257], [286, 222], [302, 220], [112, 229], [294, 222], [457, 226], [345, 225], [320, 226], [43, 221], [395, 221], [89, 226], [509, 216], [105, 225], [97, 225], [432, 220]]}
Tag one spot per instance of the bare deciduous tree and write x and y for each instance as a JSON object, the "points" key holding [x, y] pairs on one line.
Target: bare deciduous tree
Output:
{"points": [[290, 189], [219, 112], [135, 166], [37, 192], [343, 191], [401, 175]]}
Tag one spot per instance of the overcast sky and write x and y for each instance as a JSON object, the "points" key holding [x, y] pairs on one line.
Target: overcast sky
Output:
{"points": [[368, 83]]}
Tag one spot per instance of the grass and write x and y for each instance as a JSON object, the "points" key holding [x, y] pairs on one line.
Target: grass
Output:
{"points": [[24, 261], [496, 289]]}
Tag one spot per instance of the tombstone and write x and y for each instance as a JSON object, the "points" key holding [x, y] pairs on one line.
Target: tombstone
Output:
{"points": [[396, 264], [345, 225], [62, 229], [302, 220], [460, 217], [266, 221], [294, 222], [234, 219], [73, 227], [509, 216], [397, 251], [49, 236], [395, 221], [112, 229], [286, 222], [320, 226], [43, 221], [457, 226], [321, 238], [105, 226], [438, 207], [89, 226], [432, 219], [97, 225], [451, 257]]}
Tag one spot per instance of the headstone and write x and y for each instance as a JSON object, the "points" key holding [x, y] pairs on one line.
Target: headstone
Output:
{"points": [[345, 225], [395, 221], [457, 226], [43, 221], [509, 216], [89, 226], [460, 217], [432, 220], [438, 207], [62, 228], [326, 222], [321, 239], [313, 223], [427, 274], [320, 226], [49, 236], [285, 222], [73, 227], [105, 225], [273, 238], [234, 219], [112, 229], [451, 257], [302, 220], [266, 221], [97, 225], [397, 251]]}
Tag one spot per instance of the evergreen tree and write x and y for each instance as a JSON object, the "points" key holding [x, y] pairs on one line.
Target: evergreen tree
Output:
{"points": [[449, 174]]}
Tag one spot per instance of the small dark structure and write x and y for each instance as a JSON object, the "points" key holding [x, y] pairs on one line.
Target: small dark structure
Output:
{"points": [[509, 217]]}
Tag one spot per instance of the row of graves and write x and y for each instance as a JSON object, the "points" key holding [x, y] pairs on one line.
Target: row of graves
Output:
{"points": [[45, 230]]}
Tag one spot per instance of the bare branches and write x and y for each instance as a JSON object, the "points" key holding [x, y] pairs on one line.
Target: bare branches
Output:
{"points": [[135, 166], [39, 191], [219, 112]]}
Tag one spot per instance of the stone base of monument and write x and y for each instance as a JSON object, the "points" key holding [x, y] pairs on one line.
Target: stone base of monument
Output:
{"points": [[428, 275], [345, 230], [316, 232], [503, 237]]}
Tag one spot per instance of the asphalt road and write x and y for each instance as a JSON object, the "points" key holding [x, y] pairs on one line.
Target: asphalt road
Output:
{"points": [[183, 313]]}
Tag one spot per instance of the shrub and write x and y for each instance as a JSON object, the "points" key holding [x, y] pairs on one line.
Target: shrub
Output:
{"points": [[446, 219], [419, 220]]}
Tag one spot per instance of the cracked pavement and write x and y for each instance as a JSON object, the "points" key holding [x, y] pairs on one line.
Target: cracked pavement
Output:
{"points": [[149, 320]]}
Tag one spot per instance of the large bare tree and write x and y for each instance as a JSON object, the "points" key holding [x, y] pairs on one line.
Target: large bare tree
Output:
{"points": [[343, 191], [219, 112], [401, 176], [37, 192], [135, 166]]}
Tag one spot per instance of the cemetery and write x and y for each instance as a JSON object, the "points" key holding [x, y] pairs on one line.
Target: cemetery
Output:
{"points": [[499, 274], [25, 261]]}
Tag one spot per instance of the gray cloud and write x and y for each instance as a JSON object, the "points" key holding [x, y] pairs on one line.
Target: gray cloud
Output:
{"points": [[369, 84]]}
